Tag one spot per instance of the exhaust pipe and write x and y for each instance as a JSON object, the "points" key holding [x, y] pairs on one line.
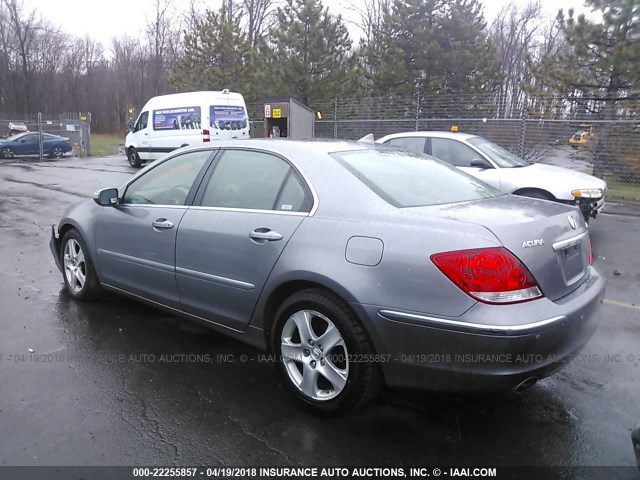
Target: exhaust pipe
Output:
{"points": [[528, 383]]}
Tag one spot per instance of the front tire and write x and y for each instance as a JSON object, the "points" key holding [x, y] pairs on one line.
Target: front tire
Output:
{"points": [[539, 194], [134, 158], [325, 356], [77, 268], [8, 152]]}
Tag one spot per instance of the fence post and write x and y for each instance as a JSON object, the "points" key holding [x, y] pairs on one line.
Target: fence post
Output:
{"points": [[40, 146], [523, 132], [335, 118], [417, 127]]}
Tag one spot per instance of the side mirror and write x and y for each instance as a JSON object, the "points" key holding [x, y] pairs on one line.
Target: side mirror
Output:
{"points": [[107, 197], [480, 163]]}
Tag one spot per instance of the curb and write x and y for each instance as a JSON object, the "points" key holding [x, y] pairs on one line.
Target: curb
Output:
{"points": [[621, 206]]}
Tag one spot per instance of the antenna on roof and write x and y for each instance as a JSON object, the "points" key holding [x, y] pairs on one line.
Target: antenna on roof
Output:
{"points": [[225, 90], [368, 139]]}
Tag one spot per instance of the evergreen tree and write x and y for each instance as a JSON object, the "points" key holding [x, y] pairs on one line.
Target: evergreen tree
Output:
{"points": [[431, 47], [312, 51], [217, 55]]}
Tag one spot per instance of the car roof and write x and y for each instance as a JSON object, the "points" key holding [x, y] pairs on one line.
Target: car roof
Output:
{"points": [[438, 134], [294, 148]]}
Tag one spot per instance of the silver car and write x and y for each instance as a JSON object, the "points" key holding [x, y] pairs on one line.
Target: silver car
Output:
{"points": [[355, 265], [505, 171]]}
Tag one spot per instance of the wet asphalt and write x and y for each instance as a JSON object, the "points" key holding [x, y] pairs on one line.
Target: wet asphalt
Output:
{"points": [[95, 391]]}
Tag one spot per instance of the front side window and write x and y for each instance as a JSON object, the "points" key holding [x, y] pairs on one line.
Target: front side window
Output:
{"points": [[31, 138], [453, 152], [503, 157], [255, 180], [169, 183], [405, 179], [141, 124], [413, 144]]}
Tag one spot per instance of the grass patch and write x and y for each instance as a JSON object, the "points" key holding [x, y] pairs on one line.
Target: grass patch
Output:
{"points": [[618, 189], [106, 144]]}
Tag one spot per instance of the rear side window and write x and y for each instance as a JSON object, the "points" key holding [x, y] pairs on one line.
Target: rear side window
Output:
{"points": [[405, 179], [253, 180], [413, 144], [182, 118]]}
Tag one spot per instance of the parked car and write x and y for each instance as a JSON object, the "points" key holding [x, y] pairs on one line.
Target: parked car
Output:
{"points": [[354, 264], [169, 122], [17, 127], [26, 144], [505, 171]]}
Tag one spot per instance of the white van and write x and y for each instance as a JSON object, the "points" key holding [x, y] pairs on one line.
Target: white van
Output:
{"points": [[172, 121]]}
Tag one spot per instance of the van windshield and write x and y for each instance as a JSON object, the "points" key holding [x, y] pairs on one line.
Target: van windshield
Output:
{"points": [[228, 117]]}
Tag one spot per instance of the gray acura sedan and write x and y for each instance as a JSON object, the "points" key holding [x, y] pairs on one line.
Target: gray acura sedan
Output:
{"points": [[355, 265]]}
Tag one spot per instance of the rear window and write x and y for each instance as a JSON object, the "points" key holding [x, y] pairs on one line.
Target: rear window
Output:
{"points": [[228, 117], [406, 179]]}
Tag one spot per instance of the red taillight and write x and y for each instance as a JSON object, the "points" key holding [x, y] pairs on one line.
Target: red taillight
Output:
{"points": [[206, 136], [590, 251], [490, 275]]}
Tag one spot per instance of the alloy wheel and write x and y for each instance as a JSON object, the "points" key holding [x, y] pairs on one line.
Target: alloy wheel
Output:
{"points": [[315, 355], [75, 267]]}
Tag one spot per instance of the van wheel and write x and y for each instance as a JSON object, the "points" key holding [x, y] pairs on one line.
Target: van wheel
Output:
{"points": [[134, 158]]}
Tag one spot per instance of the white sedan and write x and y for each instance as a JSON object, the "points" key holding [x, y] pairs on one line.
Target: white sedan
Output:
{"points": [[504, 170]]}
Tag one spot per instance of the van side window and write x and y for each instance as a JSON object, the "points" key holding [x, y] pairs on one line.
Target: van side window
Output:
{"points": [[179, 118], [141, 124]]}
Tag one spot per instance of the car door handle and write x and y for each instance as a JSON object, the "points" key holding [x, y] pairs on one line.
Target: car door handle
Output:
{"points": [[162, 224], [262, 235]]}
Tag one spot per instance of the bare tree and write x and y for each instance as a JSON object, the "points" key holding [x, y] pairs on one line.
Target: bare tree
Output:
{"points": [[371, 13], [24, 29], [258, 17], [515, 33], [161, 32]]}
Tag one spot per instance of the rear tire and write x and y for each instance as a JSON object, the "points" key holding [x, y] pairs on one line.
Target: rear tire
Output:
{"points": [[78, 272], [323, 375], [134, 158], [57, 152]]}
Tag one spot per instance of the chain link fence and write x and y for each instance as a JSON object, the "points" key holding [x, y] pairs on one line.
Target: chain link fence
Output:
{"points": [[76, 126], [587, 134]]}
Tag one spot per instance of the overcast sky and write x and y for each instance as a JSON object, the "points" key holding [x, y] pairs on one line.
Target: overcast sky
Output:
{"points": [[103, 19]]}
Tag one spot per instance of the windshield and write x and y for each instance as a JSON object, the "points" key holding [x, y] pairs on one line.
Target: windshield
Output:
{"points": [[501, 156], [407, 179]]}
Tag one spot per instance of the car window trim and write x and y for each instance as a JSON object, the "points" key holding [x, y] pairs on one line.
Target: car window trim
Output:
{"points": [[308, 188], [194, 187]]}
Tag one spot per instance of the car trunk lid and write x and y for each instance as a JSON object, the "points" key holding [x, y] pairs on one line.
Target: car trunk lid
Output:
{"points": [[551, 239]]}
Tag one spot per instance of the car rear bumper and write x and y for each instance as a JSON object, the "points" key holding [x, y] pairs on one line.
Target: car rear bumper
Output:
{"points": [[484, 349]]}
